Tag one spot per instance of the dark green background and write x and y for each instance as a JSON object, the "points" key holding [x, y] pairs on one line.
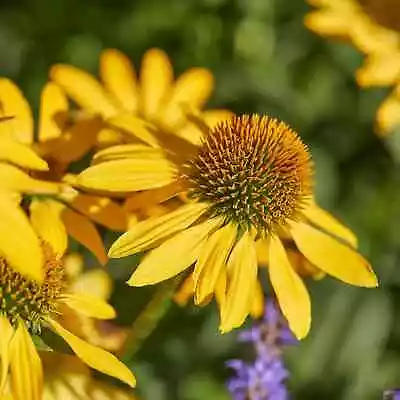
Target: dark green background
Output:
{"points": [[264, 61]]}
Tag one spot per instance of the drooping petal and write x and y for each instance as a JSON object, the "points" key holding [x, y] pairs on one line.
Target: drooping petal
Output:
{"points": [[192, 89], [133, 127], [257, 304], [14, 179], [95, 282], [13, 104], [18, 241], [151, 231], [290, 290], [388, 114], [119, 78], [46, 220], [20, 154], [128, 175], [26, 367], [6, 333], [89, 305], [242, 279], [84, 232], [53, 105], [84, 89], [213, 258], [156, 76], [173, 256], [333, 257], [321, 218], [95, 357]]}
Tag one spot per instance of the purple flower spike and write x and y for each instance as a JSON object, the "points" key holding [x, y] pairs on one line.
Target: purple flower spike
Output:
{"points": [[393, 394]]}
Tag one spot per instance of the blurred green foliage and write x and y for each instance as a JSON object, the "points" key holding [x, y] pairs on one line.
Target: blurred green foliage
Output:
{"points": [[265, 61]]}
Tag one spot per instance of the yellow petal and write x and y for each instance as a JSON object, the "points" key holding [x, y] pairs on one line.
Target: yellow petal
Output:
{"points": [[84, 232], [89, 305], [6, 333], [84, 89], [257, 304], [148, 233], [26, 367], [18, 242], [53, 107], [126, 151], [14, 179], [128, 175], [290, 291], [262, 250], [212, 260], [380, 69], [101, 210], [192, 89], [327, 23], [95, 282], [185, 292], [173, 256], [156, 78], [95, 357], [47, 222], [20, 154], [388, 114], [118, 76], [322, 219], [134, 127], [242, 279], [13, 104], [333, 257]]}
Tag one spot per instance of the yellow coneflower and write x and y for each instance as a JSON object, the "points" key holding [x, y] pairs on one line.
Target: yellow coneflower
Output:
{"points": [[372, 25], [249, 181], [28, 308], [60, 141], [131, 104]]}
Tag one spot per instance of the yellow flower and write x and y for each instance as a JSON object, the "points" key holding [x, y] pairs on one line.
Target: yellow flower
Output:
{"points": [[372, 25], [131, 104], [250, 180], [60, 141], [29, 308]]}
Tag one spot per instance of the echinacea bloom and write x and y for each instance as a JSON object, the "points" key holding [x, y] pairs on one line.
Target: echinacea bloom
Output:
{"points": [[248, 183], [128, 103], [29, 308], [61, 140], [371, 25]]}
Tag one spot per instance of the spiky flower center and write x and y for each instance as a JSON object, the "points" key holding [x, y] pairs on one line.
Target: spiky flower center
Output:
{"points": [[254, 171], [383, 12], [28, 300]]}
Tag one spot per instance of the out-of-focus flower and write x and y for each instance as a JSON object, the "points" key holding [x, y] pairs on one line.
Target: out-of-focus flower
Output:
{"points": [[388, 114], [249, 181], [60, 141], [29, 308], [264, 378], [393, 394], [129, 104], [371, 25]]}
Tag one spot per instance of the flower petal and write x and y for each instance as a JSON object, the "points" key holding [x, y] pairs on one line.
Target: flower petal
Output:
{"points": [[18, 241], [14, 104], [128, 175], [290, 290], [133, 127], [327, 23], [84, 232], [6, 333], [192, 89], [122, 151], [84, 89], [89, 305], [173, 256], [53, 105], [145, 234], [95, 282], [118, 76], [156, 77], [257, 304], [333, 257], [242, 279], [95, 357], [47, 222], [14, 179], [321, 218], [213, 258], [388, 114], [20, 154], [26, 367]]}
